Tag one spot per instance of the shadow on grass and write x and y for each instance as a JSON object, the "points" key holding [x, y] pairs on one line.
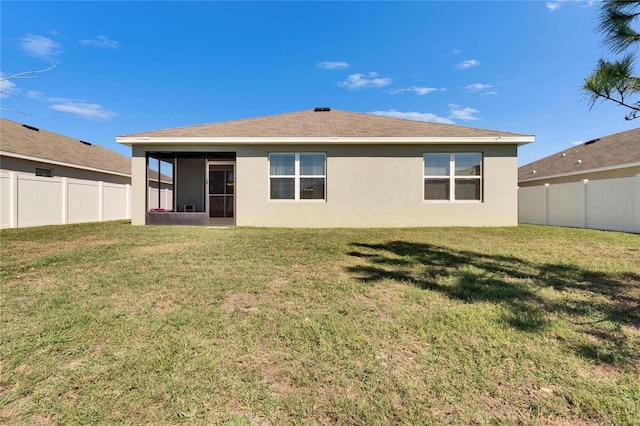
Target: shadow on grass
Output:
{"points": [[598, 304]]}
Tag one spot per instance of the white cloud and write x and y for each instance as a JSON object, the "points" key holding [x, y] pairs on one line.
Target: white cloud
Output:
{"points": [[101, 41], [553, 5], [556, 4], [477, 87], [490, 92], [7, 87], [359, 81], [61, 100], [93, 111], [418, 90], [35, 94], [328, 65], [456, 51], [468, 64], [40, 47], [419, 116], [466, 114]]}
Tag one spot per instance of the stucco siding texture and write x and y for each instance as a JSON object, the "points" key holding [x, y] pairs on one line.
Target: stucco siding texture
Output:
{"points": [[380, 188], [608, 174], [28, 166]]}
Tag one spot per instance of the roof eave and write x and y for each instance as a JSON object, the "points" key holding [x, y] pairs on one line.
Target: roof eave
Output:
{"points": [[581, 172], [329, 140], [62, 163]]}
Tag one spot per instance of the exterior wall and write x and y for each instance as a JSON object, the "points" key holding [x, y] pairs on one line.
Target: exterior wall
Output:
{"points": [[372, 186], [377, 186], [139, 185], [28, 166], [608, 174]]}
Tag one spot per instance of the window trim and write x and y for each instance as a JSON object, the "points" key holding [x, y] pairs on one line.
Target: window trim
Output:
{"points": [[452, 177], [296, 178]]}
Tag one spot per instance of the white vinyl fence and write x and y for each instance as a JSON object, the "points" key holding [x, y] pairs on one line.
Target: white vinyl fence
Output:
{"points": [[28, 200], [165, 201], [608, 204]]}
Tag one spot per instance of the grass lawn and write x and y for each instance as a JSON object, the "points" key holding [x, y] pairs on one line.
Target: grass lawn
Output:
{"points": [[110, 323]]}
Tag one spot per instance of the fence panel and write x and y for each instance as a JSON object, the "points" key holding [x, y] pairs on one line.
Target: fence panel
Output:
{"points": [[83, 201], [166, 198], [608, 204], [567, 200], [614, 204], [28, 200], [113, 206], [39, 201], [532, 207], [6, 191]]}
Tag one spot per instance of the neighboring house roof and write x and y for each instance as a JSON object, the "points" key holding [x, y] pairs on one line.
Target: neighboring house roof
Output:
{"points": [[26, 142], [323, 124], [609, 152], [152, 176]]}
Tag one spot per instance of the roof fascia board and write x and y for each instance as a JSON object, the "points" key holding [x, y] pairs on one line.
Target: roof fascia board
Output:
{"points": [[60, 163], [581, 172], [330, 140]]}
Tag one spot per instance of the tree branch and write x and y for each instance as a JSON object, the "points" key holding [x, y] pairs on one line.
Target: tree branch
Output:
{"points": [[16, 111], [26, 74]]}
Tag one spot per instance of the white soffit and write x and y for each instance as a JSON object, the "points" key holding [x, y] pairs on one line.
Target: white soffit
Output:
{"points": [[507, 140]]}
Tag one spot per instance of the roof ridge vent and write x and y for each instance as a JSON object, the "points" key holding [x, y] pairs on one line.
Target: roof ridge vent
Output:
{"points": [[592, 141], [319, 109], [85, 142], [31, 127]]}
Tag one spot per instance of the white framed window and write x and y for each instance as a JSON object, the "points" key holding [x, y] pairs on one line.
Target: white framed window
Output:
{"points": [[297, 176], [453, 176], [41, 171]]}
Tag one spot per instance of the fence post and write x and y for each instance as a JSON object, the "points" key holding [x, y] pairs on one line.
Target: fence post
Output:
{"points": [[546, 203], [65, 200], [13, 198], [100, 201], [636, 213], [585, 209], [128, 187]]}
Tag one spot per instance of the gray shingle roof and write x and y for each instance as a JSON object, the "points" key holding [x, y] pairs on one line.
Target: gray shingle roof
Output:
{"points": [[17, 139], [607, 151], [334, 123]]}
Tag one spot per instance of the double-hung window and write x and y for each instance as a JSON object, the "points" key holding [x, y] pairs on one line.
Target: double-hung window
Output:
{"points": [[297, 176], [453, 176]]}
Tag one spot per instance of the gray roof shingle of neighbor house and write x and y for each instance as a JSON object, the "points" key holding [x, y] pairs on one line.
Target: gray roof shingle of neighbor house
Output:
{"points": [[325, 123], [24, 141], [608, 151]]}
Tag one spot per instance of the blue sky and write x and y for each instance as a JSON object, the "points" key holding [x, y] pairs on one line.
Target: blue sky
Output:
{"points": [[126, 67]]}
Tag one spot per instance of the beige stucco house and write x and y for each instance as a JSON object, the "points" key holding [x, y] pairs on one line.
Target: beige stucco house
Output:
{"points": [[330, 168]]}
